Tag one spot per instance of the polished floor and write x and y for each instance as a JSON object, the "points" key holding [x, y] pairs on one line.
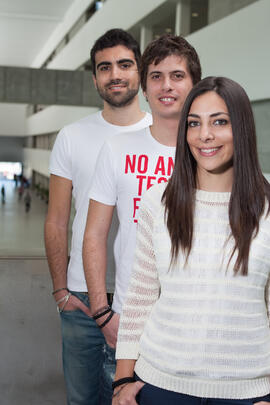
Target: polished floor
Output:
{"points": [[21, 232], [30, 340]]}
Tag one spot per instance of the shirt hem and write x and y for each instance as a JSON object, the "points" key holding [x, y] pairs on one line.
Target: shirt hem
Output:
{"points": [[101, 200], [57, 173], [221, 389]]}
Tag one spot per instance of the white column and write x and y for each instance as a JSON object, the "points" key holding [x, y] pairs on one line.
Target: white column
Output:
{"points": [[182, 18], [146, 36]]}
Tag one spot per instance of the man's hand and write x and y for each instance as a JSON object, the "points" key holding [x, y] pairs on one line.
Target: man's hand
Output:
{"points": [[262, 403], [72, 304], [110, 330], [125, 395]]}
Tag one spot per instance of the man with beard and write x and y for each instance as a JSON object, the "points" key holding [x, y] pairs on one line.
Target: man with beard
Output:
{"points": [[127, 166], [115, 61]]}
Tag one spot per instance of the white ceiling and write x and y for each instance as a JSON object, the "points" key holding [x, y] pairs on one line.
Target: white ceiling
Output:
{"points": [[25, 26]]}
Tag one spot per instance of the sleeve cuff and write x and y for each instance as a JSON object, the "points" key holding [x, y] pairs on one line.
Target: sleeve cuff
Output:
{"points": [[127, 351], [101, 200], [59, 173]]}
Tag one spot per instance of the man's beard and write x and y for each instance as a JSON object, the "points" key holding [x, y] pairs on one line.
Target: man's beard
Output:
{"points": [[116, 100]]}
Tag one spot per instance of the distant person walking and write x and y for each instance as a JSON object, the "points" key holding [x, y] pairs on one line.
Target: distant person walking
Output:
{"points": [[20, 192], [3, 194], [27, 201], [15, 180]]}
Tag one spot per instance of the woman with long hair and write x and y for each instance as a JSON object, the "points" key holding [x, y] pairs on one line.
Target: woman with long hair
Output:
{"points": [[195, 325]]}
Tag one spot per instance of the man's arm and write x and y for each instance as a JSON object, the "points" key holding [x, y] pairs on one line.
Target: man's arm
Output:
{"points": [[56, 238], [95, 264]]}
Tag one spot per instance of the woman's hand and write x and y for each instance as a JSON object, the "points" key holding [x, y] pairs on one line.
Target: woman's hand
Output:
{"points": [[262, 403], [125, 395]]}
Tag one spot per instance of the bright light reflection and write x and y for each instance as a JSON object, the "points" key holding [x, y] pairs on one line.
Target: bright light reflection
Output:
{"points": [[8, 169]]}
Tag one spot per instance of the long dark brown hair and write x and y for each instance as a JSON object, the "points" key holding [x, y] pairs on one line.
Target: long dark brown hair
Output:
{"points": [[250, 189]]}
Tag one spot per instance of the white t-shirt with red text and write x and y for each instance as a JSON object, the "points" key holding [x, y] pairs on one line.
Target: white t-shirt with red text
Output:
{"points": [[127, 166], [74, 157]]}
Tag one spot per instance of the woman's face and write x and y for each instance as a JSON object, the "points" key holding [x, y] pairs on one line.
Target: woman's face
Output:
{"points": [[209, 134]]}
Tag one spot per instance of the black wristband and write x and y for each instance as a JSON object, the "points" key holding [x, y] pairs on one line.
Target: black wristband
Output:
{"points": [[106, 320], [122, 381], [107, 310]]}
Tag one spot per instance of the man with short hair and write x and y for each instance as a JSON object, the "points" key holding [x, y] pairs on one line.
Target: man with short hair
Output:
{"points": [[131, 163], [115, 61]]}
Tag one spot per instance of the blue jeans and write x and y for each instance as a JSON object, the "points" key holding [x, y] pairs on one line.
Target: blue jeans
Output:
{"points": [[150, 395], [88, 362]]}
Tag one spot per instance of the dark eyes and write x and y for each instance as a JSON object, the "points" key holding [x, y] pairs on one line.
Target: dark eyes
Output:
{"points": [[192, 124], [155, 77], [123, 66], [216, 122], [178, 76], [174, 76], [220, 121]]}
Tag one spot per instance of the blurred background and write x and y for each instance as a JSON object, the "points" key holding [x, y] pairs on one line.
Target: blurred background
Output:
{"points": [[45, 83]]}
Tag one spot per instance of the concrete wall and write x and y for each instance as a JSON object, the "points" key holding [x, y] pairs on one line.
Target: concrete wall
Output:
{"points": [[11, 149], [238, 47], [218, 9], [261, 111], [12, 119], [52, 118]]}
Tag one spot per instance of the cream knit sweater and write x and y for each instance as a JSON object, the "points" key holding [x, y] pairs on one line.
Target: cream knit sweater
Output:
{"points": [[198, 330]]}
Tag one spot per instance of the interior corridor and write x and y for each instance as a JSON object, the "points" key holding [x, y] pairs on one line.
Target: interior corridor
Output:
{"points": [[30, 341], [21, 232]]}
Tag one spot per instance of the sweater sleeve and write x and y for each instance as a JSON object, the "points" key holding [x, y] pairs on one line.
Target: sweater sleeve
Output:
{"points": [[143, 289]]}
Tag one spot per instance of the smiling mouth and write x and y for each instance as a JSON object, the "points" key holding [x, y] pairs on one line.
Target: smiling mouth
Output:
{"points": [[167, 100], [116, 87], [209, 151]]}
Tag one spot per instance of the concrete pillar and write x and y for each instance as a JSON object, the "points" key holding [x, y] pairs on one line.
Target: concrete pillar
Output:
{"points": [[182, 18], [146, 35]]}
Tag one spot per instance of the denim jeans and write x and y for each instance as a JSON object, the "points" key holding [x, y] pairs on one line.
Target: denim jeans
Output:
{"points": [[88, 362], [149, 395]]}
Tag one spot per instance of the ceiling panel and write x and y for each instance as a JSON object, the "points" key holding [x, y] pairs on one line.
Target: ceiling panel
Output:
{"points": [[25, 26]]}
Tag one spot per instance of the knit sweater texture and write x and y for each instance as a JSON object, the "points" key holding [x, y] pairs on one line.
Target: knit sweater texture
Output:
{"points": [[198, 329]]}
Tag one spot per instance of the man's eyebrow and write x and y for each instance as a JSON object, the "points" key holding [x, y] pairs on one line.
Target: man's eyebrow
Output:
{"points": [[119, 62], [173, 71], [126, 61]]}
